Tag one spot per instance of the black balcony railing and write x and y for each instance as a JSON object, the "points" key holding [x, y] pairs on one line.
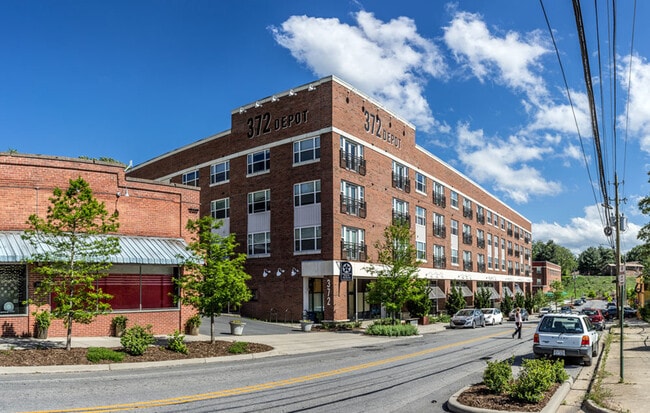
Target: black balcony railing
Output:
{"points": [[516, 234], [353, 163], [480, 267], [353, 206], [402, 182], [467, 239], [440, 200], [480, 218], [440, 262], [526, 239], [480, 242], [516, 253], [468, 265], [401, 218], [353, 251], [439, 231], [509, 231], [467, 212], [510, 250]]}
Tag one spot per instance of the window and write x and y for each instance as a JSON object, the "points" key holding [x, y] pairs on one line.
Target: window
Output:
{"points": [[259, 243], [454, 256], [439, 259], [307, 239], [420, 183], [480, 214], [480, 238], [13, 289], [454, 227], [306, 193], [352, 156], [352, 244], [220, 209], [191, 178], [401, 177], [439, 229], [306, 150], [259, 162], [401, 212], [220, 173], [496, 220], [352, 199], [454, 199], [467, 234], [467, 261], [420, 216], [503, 223], [489, 217], [421, 250], [140, 291], [439, 195], [259, 201], [480, 260], [467, 208]]}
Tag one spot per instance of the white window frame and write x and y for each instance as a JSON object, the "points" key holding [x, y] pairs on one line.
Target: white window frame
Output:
{"points": [[303, 191], [453, 199], [302, 235], [420, 216], [254, 240], [258, 162], [218, 176], [421, 250], [308, 154], [420, 183], [454, 227], [191, 178], [217, 205], [253, 202]]}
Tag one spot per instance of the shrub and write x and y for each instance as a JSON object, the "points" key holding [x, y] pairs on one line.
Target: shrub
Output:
{"points": [[43, 319], [193, 322], [119, 322], [535, 378], [498, 376], [392, 330], [136, 339], [175, 342], [97, 354], [238, 347]]}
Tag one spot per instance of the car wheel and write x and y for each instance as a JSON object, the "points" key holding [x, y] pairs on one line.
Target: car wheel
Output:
{"points": [[494, 321], [483, 323], [589, 358], [594, 352], [473, 324]]}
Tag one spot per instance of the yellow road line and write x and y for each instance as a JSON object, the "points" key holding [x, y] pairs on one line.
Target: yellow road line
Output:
{"points": [[263, 386]]}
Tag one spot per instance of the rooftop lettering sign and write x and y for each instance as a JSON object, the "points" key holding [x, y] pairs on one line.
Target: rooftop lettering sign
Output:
{"points": [[265, 123]]}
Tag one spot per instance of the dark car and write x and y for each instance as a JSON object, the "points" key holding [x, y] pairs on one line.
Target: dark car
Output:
{"points": [[629, 312], [596, 317], [524, 315]]}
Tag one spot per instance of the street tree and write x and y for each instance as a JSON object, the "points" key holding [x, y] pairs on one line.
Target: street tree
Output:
{"points": [[557, 288], [215, 277], [482, 298], [73, 249], [455, 300], [396, 281]]}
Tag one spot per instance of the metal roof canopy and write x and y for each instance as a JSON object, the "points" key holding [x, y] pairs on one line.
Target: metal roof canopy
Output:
{"points": [[134, 250]]}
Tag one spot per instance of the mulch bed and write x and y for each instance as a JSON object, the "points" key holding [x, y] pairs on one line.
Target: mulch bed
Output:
{"points": [[60, 357], [479, 395]]}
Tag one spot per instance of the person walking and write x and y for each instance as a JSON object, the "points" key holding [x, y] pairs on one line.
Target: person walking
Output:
{"points": [[518, 323]]}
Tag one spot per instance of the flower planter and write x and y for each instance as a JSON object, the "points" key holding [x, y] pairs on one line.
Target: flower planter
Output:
{"points": [[41, 333], [193, 330], [306, 325], [237, 328]]}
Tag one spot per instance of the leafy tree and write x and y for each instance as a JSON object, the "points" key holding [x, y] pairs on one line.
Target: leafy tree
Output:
{"points": [[482, 298], [507, 304], [530, 302], [638, 253], [520, 300], [455, 300], [557, 288], [554, 253], [396, 280], [216, 276], [73, 252]]}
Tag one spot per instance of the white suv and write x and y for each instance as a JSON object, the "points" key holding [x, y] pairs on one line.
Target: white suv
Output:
{"points": [[566, 335]]}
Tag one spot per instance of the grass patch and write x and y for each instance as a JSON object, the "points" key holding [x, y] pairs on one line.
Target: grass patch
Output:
{"points": [[238, 347], [599, 394], [97, 354]]}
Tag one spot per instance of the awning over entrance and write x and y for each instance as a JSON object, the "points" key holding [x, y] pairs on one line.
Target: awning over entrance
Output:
{"points": [[134, 250], [436, 292], [507, 291], [518, 289], [494, 295], [465, 290]]}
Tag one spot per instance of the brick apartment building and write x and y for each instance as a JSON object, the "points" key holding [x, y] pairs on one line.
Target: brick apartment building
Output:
{"points": [[308, 180], [152, 236], [544, 273]]}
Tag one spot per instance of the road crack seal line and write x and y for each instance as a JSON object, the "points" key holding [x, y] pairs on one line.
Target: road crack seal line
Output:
{"points": [[264, 386]]}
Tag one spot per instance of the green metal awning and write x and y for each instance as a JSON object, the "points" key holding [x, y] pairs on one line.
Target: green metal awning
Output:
{"points": [[134, 250]]}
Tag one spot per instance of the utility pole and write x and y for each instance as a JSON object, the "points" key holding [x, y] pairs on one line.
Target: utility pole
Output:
{"points": [[620, 274]]}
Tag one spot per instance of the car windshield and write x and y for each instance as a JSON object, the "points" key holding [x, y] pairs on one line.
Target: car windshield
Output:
{"points": [[465, 313], [589, 312], [488, 311], [561, 325]]}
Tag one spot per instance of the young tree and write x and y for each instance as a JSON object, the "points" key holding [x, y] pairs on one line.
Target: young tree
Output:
{"points": [[507, 304], [557, 288], [72, 253], [216, 277], [455, 300], [396, 281], [482, 298]]}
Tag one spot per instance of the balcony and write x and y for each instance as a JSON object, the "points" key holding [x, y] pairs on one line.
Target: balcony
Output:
{"points": [[516, 234], [353, 163], [516, 253], [509, 232], [510, 271], [353, 251], [480, 267], [439, 231], [440, 262], [353, 206], [510, 251], [480, 242], [401, 218], [402, 182], [480, 218], [468, 266], [440, 200], [467, 239], [467, 212], [526, 239]]}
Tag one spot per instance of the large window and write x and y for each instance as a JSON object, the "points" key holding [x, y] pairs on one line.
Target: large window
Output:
{"points": [[259, 243], [421, 250], [352, 199], [420, 216], [307, 239], [352, 156], [353, 246], [439, 195], [259, 201], [306, 193], [219, 173], [259, 162], [13, 289], [453, 195], [220, 208], [454, 227], [306, 150], [190, 178], [401, 212], [139, 291], [401, 177], [420, 183]]}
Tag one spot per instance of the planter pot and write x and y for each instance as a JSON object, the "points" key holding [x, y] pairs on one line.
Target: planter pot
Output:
{"points": [[119, 331], [424, 320], [237, 329], [306, 326], [41, 333], [193, 330]]}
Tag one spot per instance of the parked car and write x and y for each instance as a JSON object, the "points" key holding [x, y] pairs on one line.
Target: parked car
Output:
{"points": [[629, 312], [544, 310], [610, 312], [566, 336], [524, 315], [492, 316], [596, 316], [470, 317], [565, 309]]}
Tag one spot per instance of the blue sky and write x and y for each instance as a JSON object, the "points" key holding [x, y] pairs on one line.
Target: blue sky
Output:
{"points": [[131, 80]]}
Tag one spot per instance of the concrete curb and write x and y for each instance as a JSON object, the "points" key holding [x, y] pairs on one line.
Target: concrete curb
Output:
{"points": [[552, 406]]}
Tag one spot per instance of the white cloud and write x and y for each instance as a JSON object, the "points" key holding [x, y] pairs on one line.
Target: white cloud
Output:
{"points": [[635, 77], [502, 163], [509, 59], [584, 232], [388, 60]]}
